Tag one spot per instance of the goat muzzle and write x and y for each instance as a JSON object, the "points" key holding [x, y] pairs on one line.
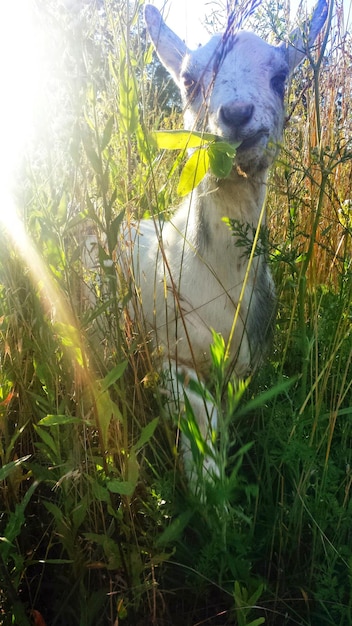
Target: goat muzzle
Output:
{"points": [[236, 114]]}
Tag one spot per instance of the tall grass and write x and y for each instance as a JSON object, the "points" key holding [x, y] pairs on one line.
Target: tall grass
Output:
{"points": [[97, 521]]}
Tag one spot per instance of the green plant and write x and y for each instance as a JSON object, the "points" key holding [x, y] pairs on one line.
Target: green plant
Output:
{"points": [[13, 563], [208, 152], [244, 605], [97, 521]]}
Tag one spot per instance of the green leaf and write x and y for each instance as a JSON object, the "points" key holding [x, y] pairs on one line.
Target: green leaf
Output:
{"points": [[100, 492], [132, 469], [245, 604], [265, 397], [59, 420], [71, 339], [193, 172], [146, 434], [210, 152], [110, 547], [173, 532], [79, 512], [16, 521], [114, 227], [123, 487], [92, 156], [256, 595], [128, 97], [148, 56], [107, 133], [49, 442], [181, 139], [55, 511], [107, 410], [114, 375], [19, 614], [190, 428], [217, 351], [221, 160], [7, 469], [98, 539]]}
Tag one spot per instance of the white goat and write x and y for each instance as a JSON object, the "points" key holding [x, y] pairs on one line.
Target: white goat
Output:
{"points": [[190, 275]]}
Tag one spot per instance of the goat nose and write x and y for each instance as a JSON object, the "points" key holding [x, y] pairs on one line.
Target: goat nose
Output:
{"points": [[236, 114]]}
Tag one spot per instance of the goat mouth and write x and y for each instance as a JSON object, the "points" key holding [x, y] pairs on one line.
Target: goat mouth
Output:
{"points": [[252, 141]]}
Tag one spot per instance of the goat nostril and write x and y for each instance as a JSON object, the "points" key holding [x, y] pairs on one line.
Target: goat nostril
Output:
{"points": [[236, 114]]}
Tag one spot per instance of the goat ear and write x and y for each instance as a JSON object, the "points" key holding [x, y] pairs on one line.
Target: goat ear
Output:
{"points": [[302, 40], [169, 47]]}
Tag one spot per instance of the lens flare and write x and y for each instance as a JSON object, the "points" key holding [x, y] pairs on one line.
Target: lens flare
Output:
{"points": [[22, 50], [20, 77]]}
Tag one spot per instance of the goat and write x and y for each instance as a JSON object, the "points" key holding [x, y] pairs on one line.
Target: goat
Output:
{"points": [[190, 275]]}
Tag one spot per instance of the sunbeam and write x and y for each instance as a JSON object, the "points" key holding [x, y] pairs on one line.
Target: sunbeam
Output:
{"points": [[21, 70], [24, 80]]}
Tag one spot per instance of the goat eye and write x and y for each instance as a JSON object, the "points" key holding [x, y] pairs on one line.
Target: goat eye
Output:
{"points": [[190, 84], [278, 84]]}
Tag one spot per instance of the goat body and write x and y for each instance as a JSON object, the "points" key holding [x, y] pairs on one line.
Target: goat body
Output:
{"points": [[190, 274], [199, 273]]}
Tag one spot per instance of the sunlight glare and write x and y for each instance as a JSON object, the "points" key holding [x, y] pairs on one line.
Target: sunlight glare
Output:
{"points": [[19, 50], [23, 78]]}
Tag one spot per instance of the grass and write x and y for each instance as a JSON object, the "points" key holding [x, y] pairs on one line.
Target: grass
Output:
{"points": [[97, 522]]}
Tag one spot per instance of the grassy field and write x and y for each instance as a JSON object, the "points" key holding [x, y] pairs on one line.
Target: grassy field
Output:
{"points": [[98, 525]]}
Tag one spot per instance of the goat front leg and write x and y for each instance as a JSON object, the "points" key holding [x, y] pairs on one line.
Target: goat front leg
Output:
{"points": [[189, 398]]}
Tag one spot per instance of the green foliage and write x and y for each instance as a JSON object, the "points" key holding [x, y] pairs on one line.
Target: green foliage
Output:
{"points": [[244, 234], [209, 152], [244, 604], [13, 563], [97, 522]]}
